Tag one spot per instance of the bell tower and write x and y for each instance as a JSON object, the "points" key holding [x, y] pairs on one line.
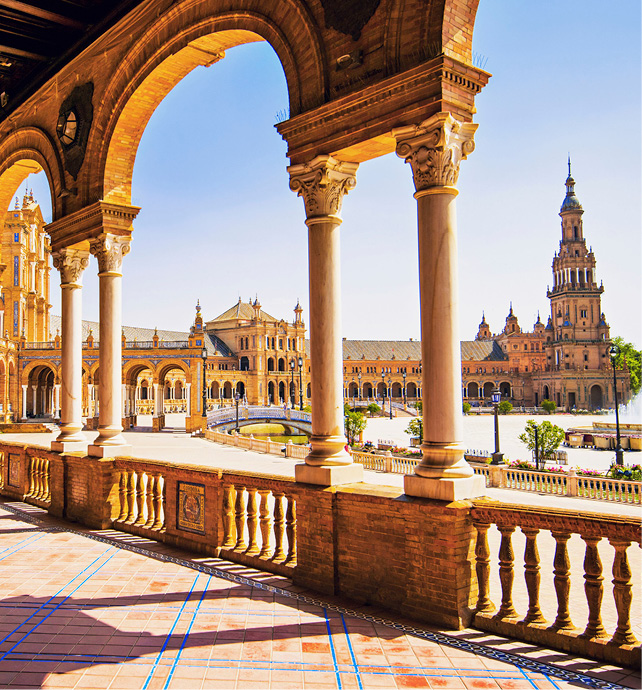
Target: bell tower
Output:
{"points": [[576, 313]]}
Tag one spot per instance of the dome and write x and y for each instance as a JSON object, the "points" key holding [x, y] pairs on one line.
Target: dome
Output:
{"points": [[571, 202]]}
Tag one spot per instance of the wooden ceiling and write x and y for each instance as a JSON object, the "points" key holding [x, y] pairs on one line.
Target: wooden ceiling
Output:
{"points": [[37, 37]]}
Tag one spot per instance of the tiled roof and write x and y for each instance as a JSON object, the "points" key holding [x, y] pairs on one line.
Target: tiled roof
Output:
{"points": [[243, 311], [481, 351], [132, 333], [371, 350]]}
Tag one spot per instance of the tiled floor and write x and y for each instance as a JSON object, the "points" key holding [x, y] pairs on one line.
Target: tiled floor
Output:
{"points": [[108, 610]]}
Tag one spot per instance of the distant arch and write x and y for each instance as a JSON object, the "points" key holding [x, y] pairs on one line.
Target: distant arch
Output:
{"points": [[597, 397], [473, 390]]}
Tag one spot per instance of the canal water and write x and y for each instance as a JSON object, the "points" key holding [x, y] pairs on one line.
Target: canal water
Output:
{"points": [[274, 432]]}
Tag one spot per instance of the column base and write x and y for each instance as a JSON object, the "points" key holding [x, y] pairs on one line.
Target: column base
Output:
{"points": [[443, 489], [69, 446], [498, 459], [108, 451], [329, 475]]}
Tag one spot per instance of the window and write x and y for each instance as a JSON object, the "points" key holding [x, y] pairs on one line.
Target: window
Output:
{"points": [[583, 313], [16, 237]]}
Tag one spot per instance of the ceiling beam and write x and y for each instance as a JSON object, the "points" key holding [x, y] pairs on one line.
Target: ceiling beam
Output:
{"points": [[32, 11]]}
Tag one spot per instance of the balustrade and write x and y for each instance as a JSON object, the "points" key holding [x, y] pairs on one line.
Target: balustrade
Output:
{"points": [[141, 499], [260, 523], [38, 480], [560, 525]]}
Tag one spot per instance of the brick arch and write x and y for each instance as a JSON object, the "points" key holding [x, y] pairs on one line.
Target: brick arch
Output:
{"points": [[23, 152], [166, 366], [27, 371], [176, 44], [132, 370], [413, 35]]}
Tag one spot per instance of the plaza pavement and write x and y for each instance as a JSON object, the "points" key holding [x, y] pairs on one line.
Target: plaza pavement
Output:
{"points": [[89, 609], [86, 614]]}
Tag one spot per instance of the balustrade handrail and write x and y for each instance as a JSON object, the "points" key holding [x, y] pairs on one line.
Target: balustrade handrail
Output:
{"points": [[43, 345]]}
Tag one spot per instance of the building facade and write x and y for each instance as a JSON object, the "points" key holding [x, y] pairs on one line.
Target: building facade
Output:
{"points": [[264, 360]]}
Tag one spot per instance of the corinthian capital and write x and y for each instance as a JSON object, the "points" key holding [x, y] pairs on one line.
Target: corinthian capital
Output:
{"points": [[109, 250], [322, 183], [435, 148], [71, 263]]}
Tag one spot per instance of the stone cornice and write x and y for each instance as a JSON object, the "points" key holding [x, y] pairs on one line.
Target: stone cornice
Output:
{"points": [[89, 222], [367, 116]]}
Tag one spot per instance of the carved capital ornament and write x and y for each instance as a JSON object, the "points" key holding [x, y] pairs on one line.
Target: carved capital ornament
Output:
{"points": [[434, 149], [71, 263], [109, 250], [322, 184]]}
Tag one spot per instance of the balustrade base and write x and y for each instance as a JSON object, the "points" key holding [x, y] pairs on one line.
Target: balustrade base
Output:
{"points": [[444, 489], [330, 475], [109, 451]]}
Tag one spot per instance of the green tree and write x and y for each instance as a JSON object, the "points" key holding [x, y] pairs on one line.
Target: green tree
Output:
{"points": [[355, 423], [466, 407], [549, 438], [548, 406], [632, 358], [419, 406], [505, 407], [416, 428], [373, 409]]}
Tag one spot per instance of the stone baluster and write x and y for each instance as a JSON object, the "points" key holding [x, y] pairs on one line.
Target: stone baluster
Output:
{"points": [[131, 496], [140, 499], [593, 588], [482, 568], [229, 533], [31, 471], [240, 517], [122, 495], [47, 480], [279, 527], [37, 478], [562, 581], [290, 530], [622, 593], [506, 573], [266, 522], [252, 522], [149, 500], [40, 478], [159, 496], [532, 577]]}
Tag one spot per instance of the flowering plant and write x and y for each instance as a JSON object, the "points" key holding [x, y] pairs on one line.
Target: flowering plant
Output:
{"points": [[627, 472]]}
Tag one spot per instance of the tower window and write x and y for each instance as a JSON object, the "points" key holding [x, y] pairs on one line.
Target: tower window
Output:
{"points": [[583, 313], [16, 237]]}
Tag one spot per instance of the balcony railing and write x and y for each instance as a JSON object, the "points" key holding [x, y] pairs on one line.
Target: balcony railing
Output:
{"points": [[43, 345]]}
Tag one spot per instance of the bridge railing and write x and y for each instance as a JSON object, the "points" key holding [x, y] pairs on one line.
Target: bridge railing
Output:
{"points": [[274, 412]]}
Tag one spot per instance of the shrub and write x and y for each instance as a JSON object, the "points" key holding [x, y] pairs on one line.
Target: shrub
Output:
{"points": [[549, 435], [416, 428], [373, 409], [628, 472], [548, 406], [504, 407], [466, 407]]}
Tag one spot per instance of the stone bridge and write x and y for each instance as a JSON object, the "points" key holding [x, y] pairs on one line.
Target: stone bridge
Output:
{"points": [[225, 419]]}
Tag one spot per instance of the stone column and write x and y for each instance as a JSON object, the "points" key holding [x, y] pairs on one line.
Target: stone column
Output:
{"points": [[322, 183], [109, 250], [71, 263], [188, 388], [24, 402], [434, 150], [156, 403], [34, 400], [57, 401]]}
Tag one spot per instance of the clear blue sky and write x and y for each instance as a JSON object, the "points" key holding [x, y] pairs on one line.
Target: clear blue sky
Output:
{"points": [[218, 220]]}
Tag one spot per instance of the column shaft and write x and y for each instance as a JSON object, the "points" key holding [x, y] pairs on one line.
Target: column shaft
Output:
{"points": [[71, 264], [109, 250]]}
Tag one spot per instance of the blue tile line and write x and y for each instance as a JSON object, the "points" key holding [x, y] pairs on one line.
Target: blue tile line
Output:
{"points": [[4, 639], [334, 656], [352, 656], [31, 538], [189, 628], [475, 648], [169, 635], [529, 679], [24, 637]]}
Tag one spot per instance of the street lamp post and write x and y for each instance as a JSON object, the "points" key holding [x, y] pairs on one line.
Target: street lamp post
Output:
{"points": [[405, 399], [292, 383], [204, 403], [390, 396], [619, 459], [359, 377], [498, 458], [383, 394], [236, 398], [300, 383], [354, 404]]}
